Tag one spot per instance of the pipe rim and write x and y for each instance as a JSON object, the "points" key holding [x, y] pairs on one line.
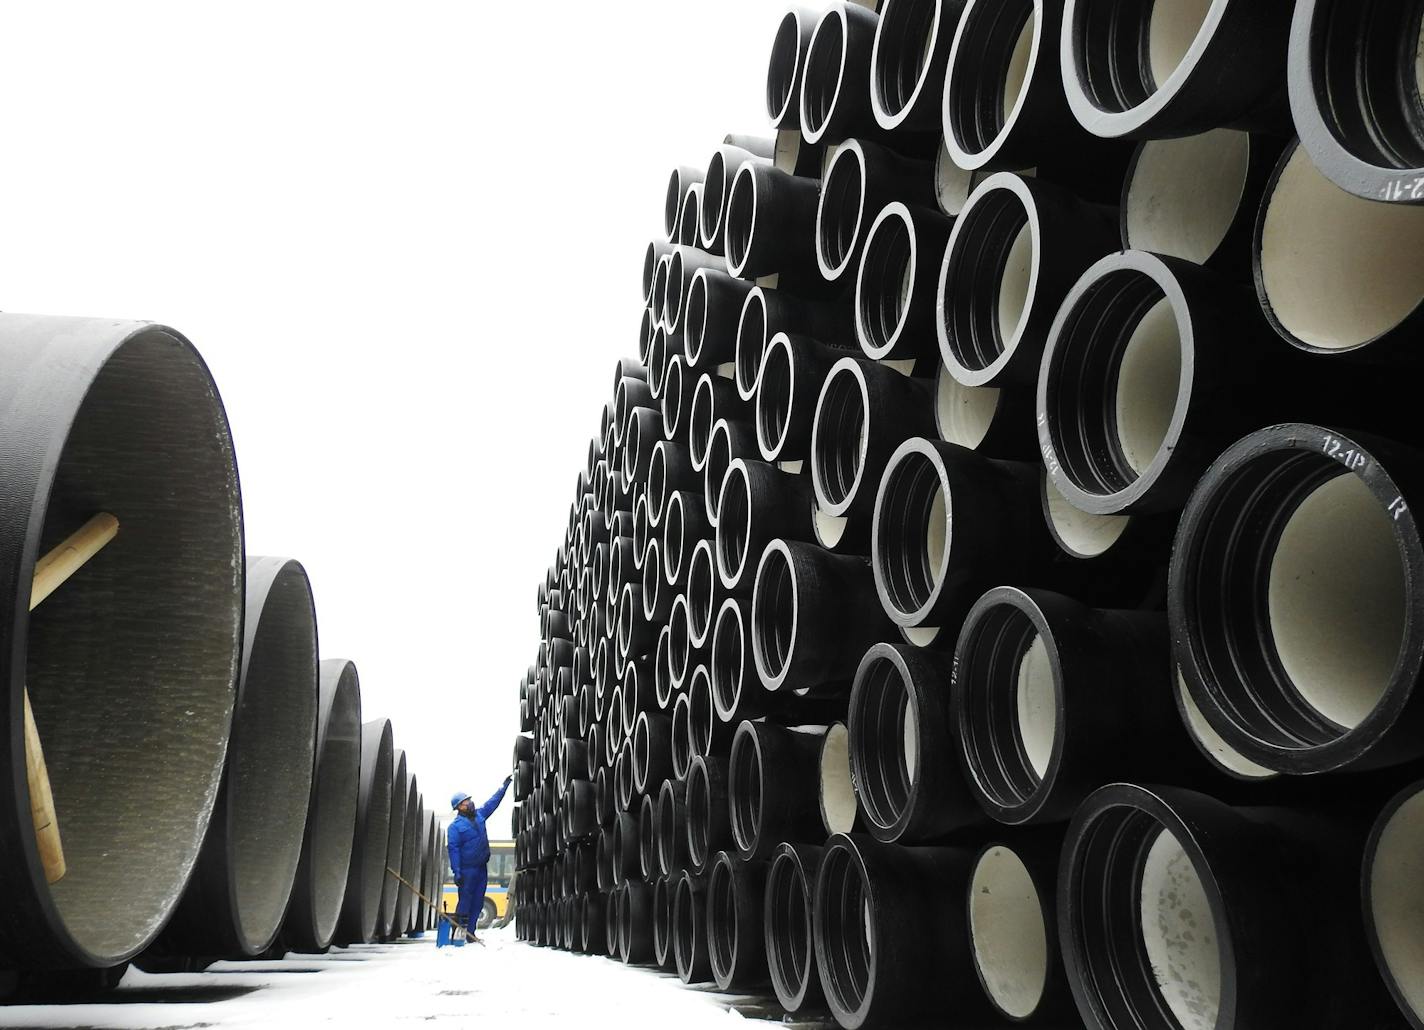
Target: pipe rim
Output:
{"points": [[776, 615], [882, 707], [735, 530], [975, 122], [842, 414], [837, 233], [701, 587], [885, 280], [728, 660], [1266, 477], [786, 919], [775, 397], [827, 52], [781, 81], [746, 768], [752, 327], [700, 419], [914, 487], [895, 88], [741, 219]]}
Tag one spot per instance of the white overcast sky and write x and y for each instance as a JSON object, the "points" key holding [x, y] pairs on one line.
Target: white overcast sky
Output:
{"points": [[407, 239]]}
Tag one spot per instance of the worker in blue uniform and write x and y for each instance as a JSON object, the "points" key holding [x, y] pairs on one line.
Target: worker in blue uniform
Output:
{"points": [[469, 854]]}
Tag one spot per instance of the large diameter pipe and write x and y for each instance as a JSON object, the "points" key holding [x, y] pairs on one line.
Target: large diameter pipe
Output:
{"points": [[409, 867], [835, 103], [714, 307], [1016, 250], [1317, 666], [773, 775], [736, 897], [635, 923], [758, 503], [770, 224], [689, 929], [908, 62], [709, 828], [1045, 687], [889, 925], [928, 576], [902, 747], [110, 397], [814, 613], [860, 179], [233, 906], [895, 284], [395, 839], [721, 169], [1145, 72], [1363, 135], [786, 67], [1333, 269], [786, 926], [766, 312], [865, 411], [793, 372], [664, 888], [361, 907], [1214, 896], [331, 818], [672, 827], [728, 441]]}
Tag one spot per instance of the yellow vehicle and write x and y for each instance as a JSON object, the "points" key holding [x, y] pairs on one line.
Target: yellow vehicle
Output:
{"points": [[501, 871]]}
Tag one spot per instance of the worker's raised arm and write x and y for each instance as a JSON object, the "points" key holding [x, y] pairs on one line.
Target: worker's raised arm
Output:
{"points": [[487, 809]]}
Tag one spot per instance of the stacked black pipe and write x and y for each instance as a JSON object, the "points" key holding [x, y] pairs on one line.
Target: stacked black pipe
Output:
{"points": [[994, 594]]}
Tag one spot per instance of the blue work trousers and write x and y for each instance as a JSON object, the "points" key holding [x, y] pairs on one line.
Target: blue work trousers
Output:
{"points": [[472, 895]]}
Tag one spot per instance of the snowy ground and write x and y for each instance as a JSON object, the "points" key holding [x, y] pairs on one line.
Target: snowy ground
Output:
{"points": [[502, 986]]}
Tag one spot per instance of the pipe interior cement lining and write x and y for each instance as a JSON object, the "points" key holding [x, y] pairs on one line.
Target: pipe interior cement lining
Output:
{"points": [[233, 906], [331, 818], [129, 422], [362, 905]]}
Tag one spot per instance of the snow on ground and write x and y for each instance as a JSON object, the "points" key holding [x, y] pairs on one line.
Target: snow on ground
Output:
{"points": [[504, 984]]}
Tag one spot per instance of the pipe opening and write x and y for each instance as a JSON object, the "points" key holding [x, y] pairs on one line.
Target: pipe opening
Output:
{"points": [[689, 938], [987, 279], [337, 776], [701, 583], [679, 648], [681, 735], [1184, 194], [1115, 382], [774, 613], [744, 786], [1144, 928], [657, 482], [728, 660], [1009, 690], [790, 952], [652, 580], [1336, 271], [149, 442], [714, 197], [824, 72], [838, 798], [690, 216], [1297, 589], [699, 813], [1367, 65], [848, 949], [840, 437], [674, 543], [887, 274], [660, 294], [841, 212], [904, 41], [751, 343], [1395, 883], [700, 418], [775, 390], [912, 537], [734, 523], [714, 471], [741, 217], [695, 329], [672, 203], [701, 712], [1007, 932], [886, 742], [964, 415], [1126, 51], [1077, 532], [783, 68], [722, 918], [677, 284], [989, 75]]}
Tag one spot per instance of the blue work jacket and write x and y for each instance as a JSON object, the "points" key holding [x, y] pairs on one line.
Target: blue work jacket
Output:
{"points": [[468, 841]]}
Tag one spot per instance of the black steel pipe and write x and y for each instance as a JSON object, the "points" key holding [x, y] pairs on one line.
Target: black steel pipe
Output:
{"points": [[771, 224], [681, 734], [1345, 66], [758, 503], [902, 747], [860, 179], [786, 925], [709, 827], [612, 928], [689, 218], [234, 904], [773, 774], [325, 861], [683, 263], [648, 837], [728, 441], [1292, 616], [890, 928], [1117, 561], [927, 576], [706, 733], [714, 307], [736, 897], [721, 169], [689, 929], [793, 372], [1333, 270], [701, 592], [814, 613], [786, 67], [1052, 698], [684, 523], [766, 312], [680, 181], [865, 410], [1017, 249], [1226, 906], [672, 827], [594, 918], [624, 848], [652, 752], [835, 100], [895, 283], [1146, 72], [663, 890], [635, 923]]}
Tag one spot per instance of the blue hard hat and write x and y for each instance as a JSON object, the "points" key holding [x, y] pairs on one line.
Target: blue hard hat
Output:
{"points": [[455, 799]]}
